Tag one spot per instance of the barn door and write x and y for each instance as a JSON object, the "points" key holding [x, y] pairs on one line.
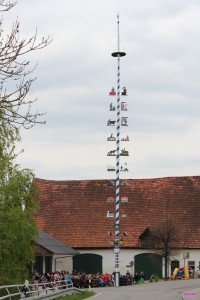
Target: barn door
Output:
{"points": [[87, 263], [149, 263]]}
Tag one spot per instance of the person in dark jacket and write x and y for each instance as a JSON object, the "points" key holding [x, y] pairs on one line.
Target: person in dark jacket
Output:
{"points": [[136, 278]]}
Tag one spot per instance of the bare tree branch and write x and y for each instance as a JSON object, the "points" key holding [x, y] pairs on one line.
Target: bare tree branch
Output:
{"points": [[15, 108], [6, 5]]}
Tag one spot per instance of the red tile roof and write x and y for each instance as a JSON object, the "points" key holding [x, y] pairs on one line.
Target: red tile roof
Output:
{"points": [[75, 212]]}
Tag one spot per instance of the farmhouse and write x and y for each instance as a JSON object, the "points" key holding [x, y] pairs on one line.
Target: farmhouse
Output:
{"points": [[81, 214]]}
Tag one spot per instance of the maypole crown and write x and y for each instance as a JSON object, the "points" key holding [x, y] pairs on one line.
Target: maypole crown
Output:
{"points": [[118, 54]]}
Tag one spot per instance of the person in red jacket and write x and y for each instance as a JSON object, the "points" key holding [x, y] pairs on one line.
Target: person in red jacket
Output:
{"points": [[106, 279]]}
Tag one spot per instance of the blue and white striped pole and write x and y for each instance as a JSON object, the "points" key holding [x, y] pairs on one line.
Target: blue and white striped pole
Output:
{"points": [[117, 54]]}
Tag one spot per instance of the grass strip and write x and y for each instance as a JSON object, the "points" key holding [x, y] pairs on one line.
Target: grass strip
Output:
{"points": [[84, 295]]}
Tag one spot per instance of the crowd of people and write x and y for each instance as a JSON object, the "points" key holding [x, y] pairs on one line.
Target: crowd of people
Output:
{"points": [[82, 280]]}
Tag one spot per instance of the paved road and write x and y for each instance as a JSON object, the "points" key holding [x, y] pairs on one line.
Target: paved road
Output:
{"points": [[170, 290]]}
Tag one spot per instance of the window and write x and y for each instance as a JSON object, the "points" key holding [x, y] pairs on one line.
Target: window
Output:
{"points": [[48, 263], [146, 238], [146, 241], [174, 264], [191, 264], [39, 264]]}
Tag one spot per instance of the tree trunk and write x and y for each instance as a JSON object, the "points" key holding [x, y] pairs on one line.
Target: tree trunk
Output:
{"points": [[166, 265]]}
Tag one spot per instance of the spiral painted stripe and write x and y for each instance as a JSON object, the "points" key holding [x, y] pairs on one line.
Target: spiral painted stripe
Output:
{"points": [[117, 202]]}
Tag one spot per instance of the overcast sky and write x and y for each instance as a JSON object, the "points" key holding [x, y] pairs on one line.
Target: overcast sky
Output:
{"points": [[76, 72]]}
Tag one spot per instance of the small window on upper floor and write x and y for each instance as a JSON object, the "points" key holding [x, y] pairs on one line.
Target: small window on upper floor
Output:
{"points": [[146, 238], [146, 242]]}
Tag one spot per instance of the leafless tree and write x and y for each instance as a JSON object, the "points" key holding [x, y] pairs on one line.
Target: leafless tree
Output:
{"points": [[15, 70], [164, 239], [6, 5]]}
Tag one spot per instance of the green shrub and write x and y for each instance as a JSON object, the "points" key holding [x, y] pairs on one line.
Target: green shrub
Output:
{"points": [[156, 277]]}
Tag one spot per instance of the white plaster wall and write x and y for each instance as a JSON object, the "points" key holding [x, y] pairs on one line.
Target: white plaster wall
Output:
{"points": [[108, 263], [194, 255], [62, 263], [125, 257]]}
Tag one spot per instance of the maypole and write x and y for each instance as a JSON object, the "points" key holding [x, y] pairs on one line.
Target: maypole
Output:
{"points": [[117, 54]]}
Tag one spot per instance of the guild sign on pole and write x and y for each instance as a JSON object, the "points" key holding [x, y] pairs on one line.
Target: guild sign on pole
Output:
{"points": [[186, 255], [116, 227]]}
